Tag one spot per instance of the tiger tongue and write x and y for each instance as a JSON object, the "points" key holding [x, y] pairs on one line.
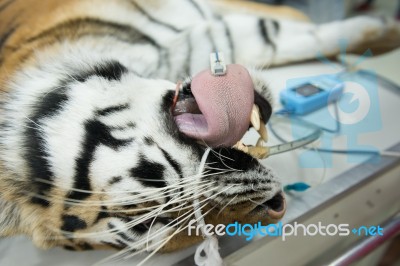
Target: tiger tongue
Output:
{"points": [[225, 103]]}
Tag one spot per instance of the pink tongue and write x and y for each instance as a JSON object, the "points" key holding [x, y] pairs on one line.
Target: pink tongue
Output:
{"points": [[225, 102]]}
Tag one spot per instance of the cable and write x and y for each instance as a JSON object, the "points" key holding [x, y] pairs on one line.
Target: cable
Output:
{"points": [[302, 186], [337, 129], [362, 152]]}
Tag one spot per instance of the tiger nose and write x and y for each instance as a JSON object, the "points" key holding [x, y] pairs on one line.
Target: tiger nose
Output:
{"points": [[276, 206]]}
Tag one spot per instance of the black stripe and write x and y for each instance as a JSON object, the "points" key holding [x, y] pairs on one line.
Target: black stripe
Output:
{"points": [[264, 33], [230, 40], [149, 173], [94, 27], [263, 104], [170, 127], [140, 228], [228, 159], [172, 162], [152, 19], [198, 8], [114, 180], [187, 64], [90, 26], [70, 248], [143, 228], [129, 206], [149, 141], [120, 245], [85, 246], [6, 35], [101, 215], [276, 25], [112, 109], [71, 223], [123, 235], [5, 5], [35, 143], [96, 133], [110, 70]]}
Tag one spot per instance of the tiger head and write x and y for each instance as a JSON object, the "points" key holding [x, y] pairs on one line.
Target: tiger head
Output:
{"points": [[99, 157], [96, 152]]}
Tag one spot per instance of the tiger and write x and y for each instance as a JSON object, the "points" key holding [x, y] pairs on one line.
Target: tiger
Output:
{"points": [[93, 151]]}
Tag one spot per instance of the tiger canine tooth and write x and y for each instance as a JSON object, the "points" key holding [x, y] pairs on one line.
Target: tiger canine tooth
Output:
{"points": [[255, 117], [240, 146], [258, 152], [263, 131], [260, 142]]}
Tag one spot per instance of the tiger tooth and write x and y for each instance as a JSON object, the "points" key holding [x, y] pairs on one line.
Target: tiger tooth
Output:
{"points": [[240, 146], [260, 142], [255, 117], [263, 132], [258, 152]]}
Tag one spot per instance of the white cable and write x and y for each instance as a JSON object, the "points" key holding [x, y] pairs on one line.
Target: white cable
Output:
{"points": [[209, 246]]}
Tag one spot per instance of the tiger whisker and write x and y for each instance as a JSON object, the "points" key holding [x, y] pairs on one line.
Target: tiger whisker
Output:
{"points": [[163, 242], [115, 202], [220, 169], [39, 127], [173, 186], [220, 155], [129, 225], [258, 203], [206, 200], [179, 210], [108, 232], [134, 223], [124, 200], [166, 211], [53, 90], [123, 253], [226, 205]]}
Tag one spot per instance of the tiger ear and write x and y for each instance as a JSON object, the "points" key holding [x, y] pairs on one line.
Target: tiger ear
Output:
{"points": [[9, 218]]}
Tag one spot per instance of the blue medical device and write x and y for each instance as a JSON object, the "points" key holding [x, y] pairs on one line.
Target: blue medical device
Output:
{"points": [[313, 94]]}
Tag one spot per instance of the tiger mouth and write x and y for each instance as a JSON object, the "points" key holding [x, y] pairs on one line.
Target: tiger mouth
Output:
{"points": [[186, 108], [217, 111]]}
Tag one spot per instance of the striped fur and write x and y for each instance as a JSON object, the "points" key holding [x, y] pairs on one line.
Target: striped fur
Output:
{"points": [[90, 156]]}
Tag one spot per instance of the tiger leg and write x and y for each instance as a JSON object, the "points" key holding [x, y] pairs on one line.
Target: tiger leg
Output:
{"points": [[264, 42]]}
